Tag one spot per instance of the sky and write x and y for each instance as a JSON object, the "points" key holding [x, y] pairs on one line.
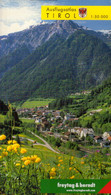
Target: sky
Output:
{"points": [[17, 15]]}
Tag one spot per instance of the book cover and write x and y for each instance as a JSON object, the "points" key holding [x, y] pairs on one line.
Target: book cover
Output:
{"points": [[55, 97]]}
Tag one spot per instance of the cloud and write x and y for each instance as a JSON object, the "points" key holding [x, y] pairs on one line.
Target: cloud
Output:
{"points": [[17, 19], [15, 27], [18, 14]]}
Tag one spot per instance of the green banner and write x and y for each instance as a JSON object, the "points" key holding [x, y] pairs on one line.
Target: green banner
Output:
{"points": [[73, 185]]}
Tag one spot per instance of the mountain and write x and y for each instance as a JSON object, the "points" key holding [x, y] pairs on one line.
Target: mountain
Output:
{"points": [[16, 46], [35, 36], [68, 60]]}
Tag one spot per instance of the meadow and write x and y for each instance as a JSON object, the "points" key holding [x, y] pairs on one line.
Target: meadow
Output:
{"points": [[32, 103], [22, 167]]}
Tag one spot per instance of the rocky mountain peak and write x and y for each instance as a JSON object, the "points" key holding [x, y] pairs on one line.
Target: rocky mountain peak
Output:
{"points": [[36, 36]]}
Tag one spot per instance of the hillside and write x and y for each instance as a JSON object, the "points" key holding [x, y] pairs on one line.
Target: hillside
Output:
{"points": [[68, 59], [58, 68]]}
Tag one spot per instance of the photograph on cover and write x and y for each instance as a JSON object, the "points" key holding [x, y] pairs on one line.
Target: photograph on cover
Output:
{"points": [[55, 100]]}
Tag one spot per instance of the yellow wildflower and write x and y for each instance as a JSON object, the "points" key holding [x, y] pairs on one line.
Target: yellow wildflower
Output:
{"points": [[17, 164], [61, 160], [52, 173], [59, 157], [2, 137], [53, 169], [70, 168], [10, 142], [0, 148], [59, 165], [23, 151], [72, 177], [0, 157], [27, 162], [9, 148], [4, 154], [16, 146], [33, 157], [23, 166], [72, 157], [37, 160], [24, 158], [28, 158], [82, 162], [14, 142]]}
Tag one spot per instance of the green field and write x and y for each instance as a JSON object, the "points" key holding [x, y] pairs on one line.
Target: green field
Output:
{"points": [[2, 118], [34, 103], [25, 120]]}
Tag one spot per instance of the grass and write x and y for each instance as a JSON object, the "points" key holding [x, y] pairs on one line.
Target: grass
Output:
{"points": [[32, 103], [31, 137], [25, 120], [2, 118]]}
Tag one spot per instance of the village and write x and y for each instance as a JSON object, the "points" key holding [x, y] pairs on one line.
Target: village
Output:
{"points": [[57, 124]]}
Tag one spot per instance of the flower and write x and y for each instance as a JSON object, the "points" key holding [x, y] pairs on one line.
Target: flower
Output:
{"points": [[33, 157], [70, 168], [13, 148], [27, 162], [52, 173], [10, 142], [2, 137], [85, 156], [97, 150], [59, 165], [16, 146], [72, 157], [9, 148], [0, 157], [4, 154], [17, 164], [24, 158], [14, 142], [53, 169], [61, 160], [37, 160], [23, 151], [82, 162], [107, 154], [72, 177]]}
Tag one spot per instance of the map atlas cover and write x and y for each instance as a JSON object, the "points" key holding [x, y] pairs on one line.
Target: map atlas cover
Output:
{"points": [[55, 97]]}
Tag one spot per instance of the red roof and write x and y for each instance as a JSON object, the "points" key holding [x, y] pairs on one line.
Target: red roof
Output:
{"points": [[109, 138]]}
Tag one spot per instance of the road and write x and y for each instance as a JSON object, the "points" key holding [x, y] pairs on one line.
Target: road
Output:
{"points": [[45, 142]]}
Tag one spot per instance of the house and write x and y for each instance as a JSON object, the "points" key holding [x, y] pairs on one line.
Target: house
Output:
{"points": [[34, 116], [105, 144], [92, 112], [106, 135], [98, 139], [38, 120], [109, 139], [68, 116]]}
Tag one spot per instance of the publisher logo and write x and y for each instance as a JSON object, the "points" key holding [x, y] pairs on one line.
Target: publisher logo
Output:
{"points": [[82, 12]]}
